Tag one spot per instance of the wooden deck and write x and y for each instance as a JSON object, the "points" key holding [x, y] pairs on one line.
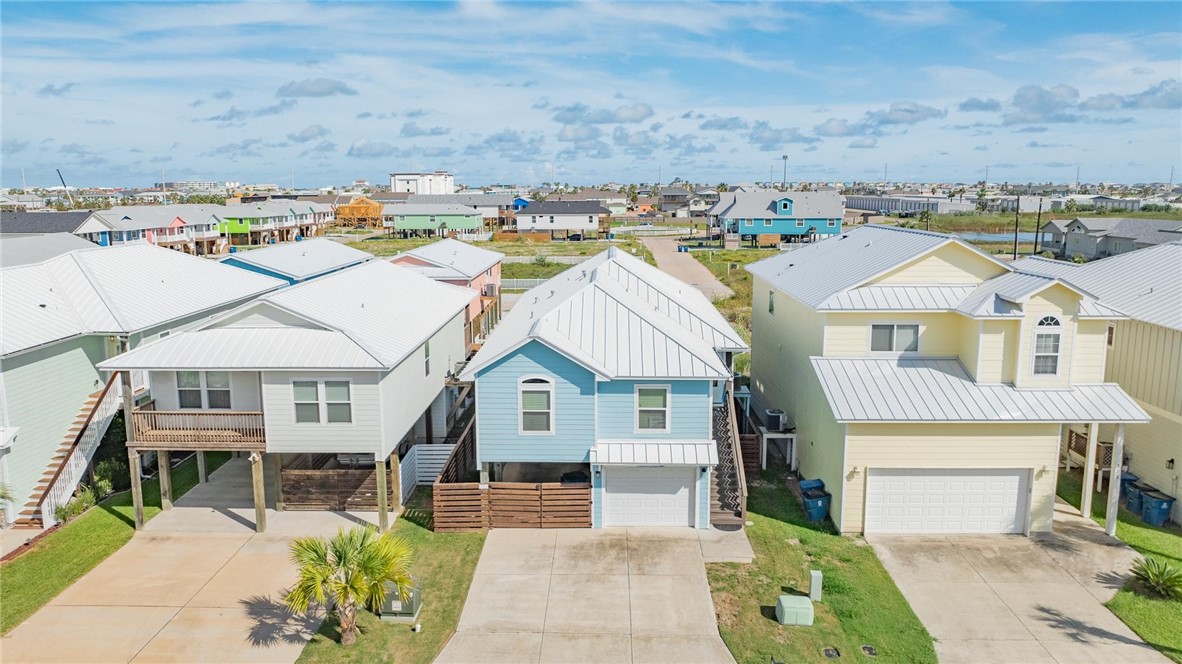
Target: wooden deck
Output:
{"points": [[187, 430]]}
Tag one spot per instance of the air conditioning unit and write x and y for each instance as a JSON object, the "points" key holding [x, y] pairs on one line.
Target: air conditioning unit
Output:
{"points": [[776, 419], [490, 290]]}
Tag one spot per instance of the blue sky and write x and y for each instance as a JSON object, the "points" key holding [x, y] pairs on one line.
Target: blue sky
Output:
{"points": [[111, 93]]}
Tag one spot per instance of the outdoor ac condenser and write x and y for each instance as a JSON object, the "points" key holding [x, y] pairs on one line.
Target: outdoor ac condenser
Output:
{"points": [[775, 418]]}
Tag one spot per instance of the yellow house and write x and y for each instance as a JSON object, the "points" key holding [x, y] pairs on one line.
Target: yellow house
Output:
{"points": [[1144, 353], [928, 382]]}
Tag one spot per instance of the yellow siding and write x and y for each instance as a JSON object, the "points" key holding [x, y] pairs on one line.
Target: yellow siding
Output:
{"points": [[998, 354], [1090, 347], [950, 264], [848, 334], [1061, 303], [970, 344], [1147, 361], [1031, 446], [782, 377], [1150, 446]]}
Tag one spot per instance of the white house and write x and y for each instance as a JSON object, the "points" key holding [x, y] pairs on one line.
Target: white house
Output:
{"points": [[437, 182], [565, 216]]}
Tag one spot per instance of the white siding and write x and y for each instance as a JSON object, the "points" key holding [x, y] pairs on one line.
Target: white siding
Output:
{"points": [[362, 435], [562, 222], [244, 390]]}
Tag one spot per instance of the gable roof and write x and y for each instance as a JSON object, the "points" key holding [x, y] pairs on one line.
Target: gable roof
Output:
{"points": [[1144, 284], [464, 259], [1004, 296], [761, 204], [1141, 231], [619, 317], [392, 209], [471, 200], [564, 207], [114, 290], [375, 326], [301, 260], [42, 222], [26, 248]]}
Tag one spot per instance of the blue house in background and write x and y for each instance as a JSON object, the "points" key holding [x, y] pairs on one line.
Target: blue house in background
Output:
{"points": [[783, 213], [296, 262], [520, 203], [616, 372]]}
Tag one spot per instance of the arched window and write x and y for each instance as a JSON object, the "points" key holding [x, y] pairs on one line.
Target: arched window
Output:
{"points": [[1046, 346], [536, 401]]}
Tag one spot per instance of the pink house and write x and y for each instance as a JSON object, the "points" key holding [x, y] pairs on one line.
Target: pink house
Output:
{"points": [[462, 264]]}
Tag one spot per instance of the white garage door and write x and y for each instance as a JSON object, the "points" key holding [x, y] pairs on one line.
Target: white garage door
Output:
{"points": [[941, 500], [648, 496]]}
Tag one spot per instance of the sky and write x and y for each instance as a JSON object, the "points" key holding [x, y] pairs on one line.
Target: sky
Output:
{"points": [[115, 94]]}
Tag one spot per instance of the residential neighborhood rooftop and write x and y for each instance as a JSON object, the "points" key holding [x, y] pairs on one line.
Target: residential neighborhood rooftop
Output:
{"points": [[25, 248], [564, 207], [461, 258], [302, 260]]}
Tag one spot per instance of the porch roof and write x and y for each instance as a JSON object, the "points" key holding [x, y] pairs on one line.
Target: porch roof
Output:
{"points": [[663, 452]]}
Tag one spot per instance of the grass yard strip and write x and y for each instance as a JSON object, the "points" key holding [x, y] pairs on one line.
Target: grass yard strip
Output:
{"points": [[861, 604], [728, 266], [62, 557], [444, 563], [1157, 620], [532, 270]]}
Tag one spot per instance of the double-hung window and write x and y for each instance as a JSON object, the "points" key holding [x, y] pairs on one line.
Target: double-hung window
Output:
{"points": [[337, 404], [537, 405], [307, 401], [652, 409], [203, 389], [894, 338], [1046, 346], [427, 358], [329, 401]]}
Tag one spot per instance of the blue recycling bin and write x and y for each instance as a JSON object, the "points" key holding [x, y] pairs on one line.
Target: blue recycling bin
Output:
{"points": [[805, 485], [233, 249], [1133, 499], [816, 504], [1155, 507], [1126, 478]]}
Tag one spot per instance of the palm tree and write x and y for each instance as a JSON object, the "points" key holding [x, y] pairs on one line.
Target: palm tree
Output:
{"points": [[349, 570]]}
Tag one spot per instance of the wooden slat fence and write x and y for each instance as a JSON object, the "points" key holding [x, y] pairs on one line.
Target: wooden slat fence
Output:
{"points": [[459, 507], [337, 489], [467, 507]]}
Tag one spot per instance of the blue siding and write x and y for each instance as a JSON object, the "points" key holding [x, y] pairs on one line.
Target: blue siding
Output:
{"points": [[497, 409], [256, 269], [788, 226], [689, 416]]}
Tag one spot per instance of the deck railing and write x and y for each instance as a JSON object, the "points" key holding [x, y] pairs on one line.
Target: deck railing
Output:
{"points": [[70, 470], [198, 429]]}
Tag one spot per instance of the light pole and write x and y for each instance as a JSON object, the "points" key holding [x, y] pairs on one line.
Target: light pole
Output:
{"points": [[784, 182]]}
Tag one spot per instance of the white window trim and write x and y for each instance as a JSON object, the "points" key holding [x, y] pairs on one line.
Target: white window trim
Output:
{"points": [[322, 402], [536, 387], [203, 389], [800, 223], [767, 222], [636, 407], [887, 353], [1056, 330]]}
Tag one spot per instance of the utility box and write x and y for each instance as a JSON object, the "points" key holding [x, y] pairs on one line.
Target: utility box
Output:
{"points": [[395, 610], [794, 610]]}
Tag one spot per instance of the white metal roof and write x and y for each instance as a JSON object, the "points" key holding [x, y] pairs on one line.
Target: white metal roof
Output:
{"points": [[114, 290], [303, 260], [1145, 284], [620, 317], [761, 204], [467, 259], [897, 298], [662, 452], [25, 248], [869, 389], [238, 348]]}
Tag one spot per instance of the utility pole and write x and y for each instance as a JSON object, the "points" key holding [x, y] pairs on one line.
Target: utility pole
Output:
{"points": [[1168, 190], [1037, 228], [1017, 220], [784, 182], [1077, 178], [985, 184], [884, 175]]}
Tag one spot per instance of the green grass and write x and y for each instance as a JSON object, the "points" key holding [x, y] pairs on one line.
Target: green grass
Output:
{"points": [[64, 556], [727, 265], [1003, 222], [861, 604], [444, 562], [383, 246], [532, 270], [1158, 621]]}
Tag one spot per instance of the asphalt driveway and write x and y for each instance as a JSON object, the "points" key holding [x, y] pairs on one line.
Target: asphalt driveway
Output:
{"points": [[1010, 598], [613, 595]]}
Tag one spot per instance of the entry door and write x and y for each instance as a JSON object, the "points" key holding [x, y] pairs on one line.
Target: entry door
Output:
{"points": [[942, 500], [648, 496]]}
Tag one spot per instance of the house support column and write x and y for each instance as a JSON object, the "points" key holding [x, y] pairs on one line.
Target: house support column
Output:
{"points": [[165, 469], [395, 466], [202, 476], [260, 495], [276, 460], [383, 496], [137, 491], [1089, 471], [1118, 458], [438, 417]]}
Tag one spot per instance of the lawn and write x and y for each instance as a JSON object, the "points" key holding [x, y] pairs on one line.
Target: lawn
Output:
{"points": [[61, 558], [727, 265], [383, 246], [444, 562], [1003, 222], [860, 606], [533, 270], [1158, 621]]}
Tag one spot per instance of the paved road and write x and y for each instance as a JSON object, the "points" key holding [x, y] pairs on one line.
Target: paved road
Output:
{"points": [[685, 267]]}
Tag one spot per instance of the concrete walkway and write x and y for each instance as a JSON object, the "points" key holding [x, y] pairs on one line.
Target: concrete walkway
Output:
{"points": [[1009, 598], [685, 267], [614, 595]]}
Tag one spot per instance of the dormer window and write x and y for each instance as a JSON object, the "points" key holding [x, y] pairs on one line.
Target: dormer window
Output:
{"points": [[1046, 346], [894, 338]]}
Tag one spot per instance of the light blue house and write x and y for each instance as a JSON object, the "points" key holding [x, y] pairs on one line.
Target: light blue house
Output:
{"points": [[619, 371], [783, 213]]}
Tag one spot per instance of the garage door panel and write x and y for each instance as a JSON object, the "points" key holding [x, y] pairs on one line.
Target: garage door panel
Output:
{"points": [[925, 500], [648, 496]]}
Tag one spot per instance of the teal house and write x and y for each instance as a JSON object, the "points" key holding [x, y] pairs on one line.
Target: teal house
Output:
{"points": [[788, 214], [430, 219], [615, 373]]}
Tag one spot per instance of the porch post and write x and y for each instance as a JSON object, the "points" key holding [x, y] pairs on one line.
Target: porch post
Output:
{"points": [[277, 469], [260, 495], [396, 480], [162, 463], [202, 478], [1118, 457], [383, 497], [137, 491], [1089, 471]]}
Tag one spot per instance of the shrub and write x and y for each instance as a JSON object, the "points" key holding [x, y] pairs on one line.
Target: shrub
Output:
{"points": [[1159, 578], [114, 472], [1047, 254], [81, 502], [102, 488], [1078, 258], [541, 259]]}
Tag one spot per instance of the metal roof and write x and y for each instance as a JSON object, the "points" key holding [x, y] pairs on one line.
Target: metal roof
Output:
{"points": [[620, 317], [302, 260], [1143, 231], [897, 298], [564, 207], [1145, 284], [663, 452], [237, 348], [471, 200], [26, 248], [467, 259], [114, 290], [762, 205], [869, 389], [441, 209]]}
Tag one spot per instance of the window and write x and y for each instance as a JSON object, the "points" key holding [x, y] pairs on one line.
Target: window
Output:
{"points": [[894, 338], [1046, 347], [652, 409], [217, 389], [537, 406], [767, 222], [800, 223], [307, 401], [1111, 335], [427, 358], [771, 302], [188, 389], [338, 407], [832, 223], [551, 218]]}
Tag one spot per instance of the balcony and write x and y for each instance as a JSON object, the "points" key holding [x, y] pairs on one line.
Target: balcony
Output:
{"points": [[197, 429]]}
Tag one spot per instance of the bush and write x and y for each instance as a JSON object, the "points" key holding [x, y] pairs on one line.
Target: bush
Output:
{"points": [[83, 501], [1159, 578], [114, 472], [541, 259], [102, 488], [1078, 258], [1047, 254]]}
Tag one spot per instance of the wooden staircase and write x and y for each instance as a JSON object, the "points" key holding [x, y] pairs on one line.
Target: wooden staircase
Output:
{"points": [[727, 482], [30, 516]]}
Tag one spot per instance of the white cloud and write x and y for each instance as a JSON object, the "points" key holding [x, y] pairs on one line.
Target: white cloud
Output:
{"points": [[315, 87]]}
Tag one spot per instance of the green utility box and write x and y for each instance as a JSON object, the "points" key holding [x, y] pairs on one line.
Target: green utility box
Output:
{"points": [[394, 609], [794, 610]]}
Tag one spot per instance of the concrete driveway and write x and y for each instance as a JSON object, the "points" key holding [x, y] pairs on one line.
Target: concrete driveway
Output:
{"points": [[1009, 598], [614, 595], [685, 267]]}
